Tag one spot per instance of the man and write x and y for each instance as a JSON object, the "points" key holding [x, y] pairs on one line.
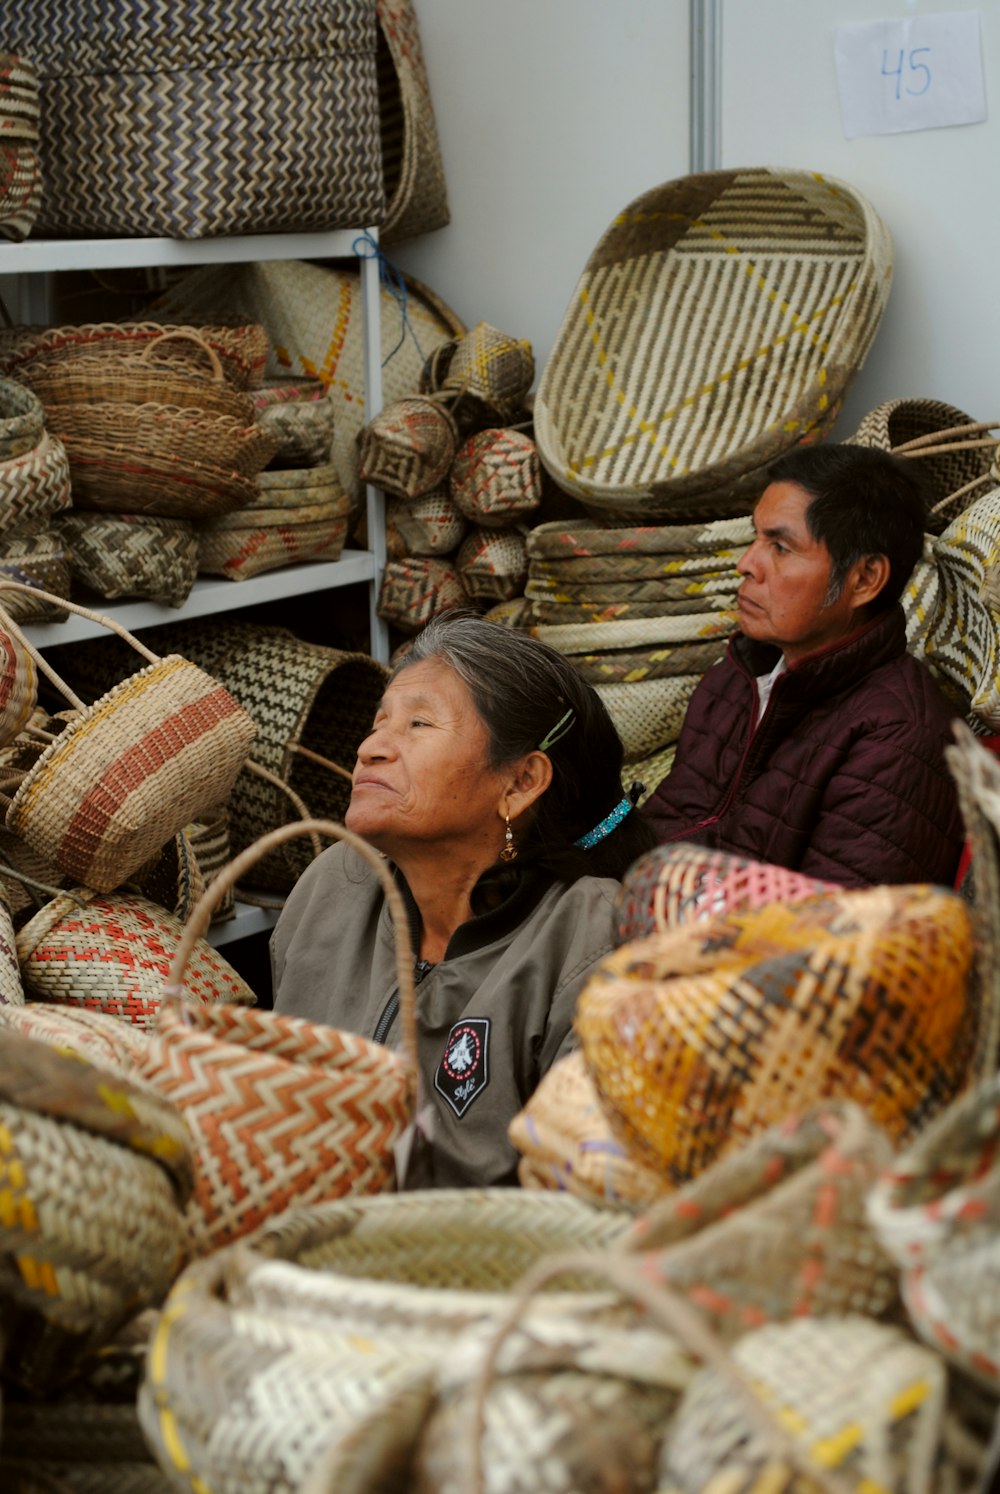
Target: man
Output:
{"points": [[817, 742]]}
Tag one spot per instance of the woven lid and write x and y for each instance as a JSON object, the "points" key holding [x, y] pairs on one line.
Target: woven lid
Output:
{"points": [[576, 538]]}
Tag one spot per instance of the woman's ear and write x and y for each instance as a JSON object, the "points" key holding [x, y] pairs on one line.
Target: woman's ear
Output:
{"points": [[531, 778]]}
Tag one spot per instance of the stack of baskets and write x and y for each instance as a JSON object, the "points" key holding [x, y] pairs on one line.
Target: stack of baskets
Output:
{"points": [[34, 492], [160, 433], [20, 167], [301, 510]]}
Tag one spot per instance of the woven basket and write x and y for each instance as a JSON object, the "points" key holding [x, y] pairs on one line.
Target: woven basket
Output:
{"points": [[20, 188], [635, 632], [253, 540], [134, 940], [22, 419], [416, 195], [131, 769], [19, 106], [495, 478], [633, 665], [300, 487], [650, 771], [687, 359], [34, 572], [408, 448], [599, 594], [18, 686], [550, 612], [94, 1036], [211, 843], [417, 589], [566, 1144], [70, 1445], [314, 318], [359, 1302], [701, 1037], [953, 472], [132, 555], [962, 641], [649, 714], [11, 988], [579, 538], [429, 525], [303, 428], [35, 485], [680, 884], [114, 479], [154, 430], [492, 566], [199, 94], [152, 374], [96, 1171], [490, 368], [240, 346], [319, 1110], [172, 878]]}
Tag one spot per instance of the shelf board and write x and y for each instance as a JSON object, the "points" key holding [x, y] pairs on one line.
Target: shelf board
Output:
{"points": [[36, 256], [248, 920], [211, 595]]}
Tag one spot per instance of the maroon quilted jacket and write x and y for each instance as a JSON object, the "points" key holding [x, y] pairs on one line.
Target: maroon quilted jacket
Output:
{"points": [[844, 778]]}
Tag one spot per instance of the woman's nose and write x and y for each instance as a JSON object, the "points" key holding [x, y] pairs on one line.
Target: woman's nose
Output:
{"points": [[376, 746]]}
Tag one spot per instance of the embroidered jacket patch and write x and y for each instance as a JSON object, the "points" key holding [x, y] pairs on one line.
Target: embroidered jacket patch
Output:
{"points": [[464, 1071]]}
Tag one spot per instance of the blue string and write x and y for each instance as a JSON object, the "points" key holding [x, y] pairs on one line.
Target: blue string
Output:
{"points": [[391, 276]]}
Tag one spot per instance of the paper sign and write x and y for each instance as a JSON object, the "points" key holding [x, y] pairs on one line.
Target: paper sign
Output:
{"points": [[916, 73]]}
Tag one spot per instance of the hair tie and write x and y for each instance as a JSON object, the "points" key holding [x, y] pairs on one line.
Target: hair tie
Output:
{"points": [[609, 822]]}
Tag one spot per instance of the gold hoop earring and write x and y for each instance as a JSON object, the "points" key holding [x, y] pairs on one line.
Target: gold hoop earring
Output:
{"points": [[509, 852]]}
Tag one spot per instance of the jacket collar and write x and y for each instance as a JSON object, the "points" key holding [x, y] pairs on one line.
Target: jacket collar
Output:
{"points": [[838, 666], [501, 900]]}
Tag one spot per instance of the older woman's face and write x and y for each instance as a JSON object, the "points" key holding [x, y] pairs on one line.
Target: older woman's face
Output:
{"points": [[421, 774]]}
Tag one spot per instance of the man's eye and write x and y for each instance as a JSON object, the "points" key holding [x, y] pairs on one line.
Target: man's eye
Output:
{"points": [[779, 548]]}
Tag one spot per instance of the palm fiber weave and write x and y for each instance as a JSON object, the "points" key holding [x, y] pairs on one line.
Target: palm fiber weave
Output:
{"points": [[648, 714], [240, 346], [132, 555], [299, 487], [418, 588], [253, 540], [718, 322], [492, 565], [18, 686], [580, 538], [33, 557], [952, 475], [244, 119], [495, 479], [35, 484], [128, 771], [698, 1038], [113, 953], [303, 426], [94, 1036], [962, 642], [416, 195], [408, 447], [94, 1172], [489, 370], [22, 420], [429, 525], [20, 188]]}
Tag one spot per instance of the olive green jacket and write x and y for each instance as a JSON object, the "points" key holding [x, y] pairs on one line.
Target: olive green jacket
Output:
{"points": [[492, 1016]]}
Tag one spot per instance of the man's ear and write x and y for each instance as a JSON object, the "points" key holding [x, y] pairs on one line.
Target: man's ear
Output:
{"points": [[529, 781], [868, 578]]}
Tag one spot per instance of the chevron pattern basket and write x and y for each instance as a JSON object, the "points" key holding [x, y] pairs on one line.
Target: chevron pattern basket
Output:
{"points": [[35, 484], [244, 119], [418, 588], [961, 643], [132, 555], [954, 473], [719, 321]]}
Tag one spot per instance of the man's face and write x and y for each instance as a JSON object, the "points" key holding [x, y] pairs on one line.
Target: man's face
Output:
{"points": [[786, 579]]}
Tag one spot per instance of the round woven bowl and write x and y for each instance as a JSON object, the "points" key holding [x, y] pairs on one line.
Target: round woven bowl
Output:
{"points": [[135, 378], [303, 428], [417, 589], [132, 555], [636, 632], [579, 538], [682, 368], [493, 368], [153, 429], [253, 540], [648, 714], [22, 420], [20, 188], [241, 346], [429, 525], [952, 466], [113, 478], [34, 555], [298, 487], [492, 566]]}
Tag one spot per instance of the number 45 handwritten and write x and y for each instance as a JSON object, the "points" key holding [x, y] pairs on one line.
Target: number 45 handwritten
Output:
{"points": [[914, 68]]}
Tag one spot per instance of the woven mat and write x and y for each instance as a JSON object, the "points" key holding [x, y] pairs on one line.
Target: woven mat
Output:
{"points": [[579, 538], [648, 715], [554, 613], [649, 664], [587, 638]]}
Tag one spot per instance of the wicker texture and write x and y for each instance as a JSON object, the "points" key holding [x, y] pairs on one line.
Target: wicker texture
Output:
{"points": [[36, 484], [11, 988], [33, 555], [172, 878], [198, 95], [648, 714], [313, 315], [303, 426], [701, 1037], [22, 419], [977, 779], [679, 884], [18, 686], [718, 321], [78, 1162], [634, 665], [416, 589], [254, 540], [495, 478], [416, 195], [130, 770], [429, 525], [492, 369], [132, 555], [550, 612], [240, 347], [408, 448], [952, 474], [492, 566], [137, 940], [20, 188], [636, 631], [580, 538], [962, 642], [300, 487], [96, 1037]]}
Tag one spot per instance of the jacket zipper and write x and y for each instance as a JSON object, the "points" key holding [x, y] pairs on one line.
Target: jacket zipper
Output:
{"points": [[731, 792], [389, 1011]]}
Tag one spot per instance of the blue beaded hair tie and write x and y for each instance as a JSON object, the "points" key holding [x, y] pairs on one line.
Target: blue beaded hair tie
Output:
{"points": [[606, 826]]}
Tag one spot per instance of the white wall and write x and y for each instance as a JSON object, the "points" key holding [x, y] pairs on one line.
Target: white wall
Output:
{"points": [[552, 115], [936, 189]]}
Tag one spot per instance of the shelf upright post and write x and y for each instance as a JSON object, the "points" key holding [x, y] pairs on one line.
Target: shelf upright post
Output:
{"points": [[372, 320]]}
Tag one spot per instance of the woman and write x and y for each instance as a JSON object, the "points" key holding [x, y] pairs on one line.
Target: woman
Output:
{"points": [[491, 779]]}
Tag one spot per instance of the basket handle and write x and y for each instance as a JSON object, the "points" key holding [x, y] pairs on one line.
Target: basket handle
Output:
{"points": [[200, 916], [188, 334], [298, 803], [324, 762], [6, 621]]}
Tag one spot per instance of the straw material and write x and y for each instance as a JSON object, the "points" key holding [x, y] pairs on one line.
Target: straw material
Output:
{"points": [[937, 1210], [551, 612], [920, 601], [131, 769], [94, 1036], [172, 878], [416, 195], [566, 1143], [76, 1444], [495, 478], [429, 525], [21, 418], [492, 567], [699, 1038], [365, 1299], [91, 1226], [253, 540], [20, 188], [314, 319], [137, 940], [752, 298], [512, 614], [132, 555], [240, 346], [34, 555], [492, 369], [303, 427], [962, 645], [417, 589], [680, 883], [153, 430], [896, 422], [578, 538], [36, 484], [649, 714], [299, 487], [860, 1399], [652, 770], [599, 594], [211, 845], [199, 96], [633, 665], [408, 447], [18, 686], [716, 569], [11, 989], [19, 106], [586, 638]]}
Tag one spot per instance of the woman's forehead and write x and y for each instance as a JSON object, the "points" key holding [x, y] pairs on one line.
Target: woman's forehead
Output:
{"points": [[428, 681]]}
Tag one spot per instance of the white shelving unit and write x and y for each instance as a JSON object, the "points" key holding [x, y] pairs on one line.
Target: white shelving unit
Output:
{"points": [[33, 262]]}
